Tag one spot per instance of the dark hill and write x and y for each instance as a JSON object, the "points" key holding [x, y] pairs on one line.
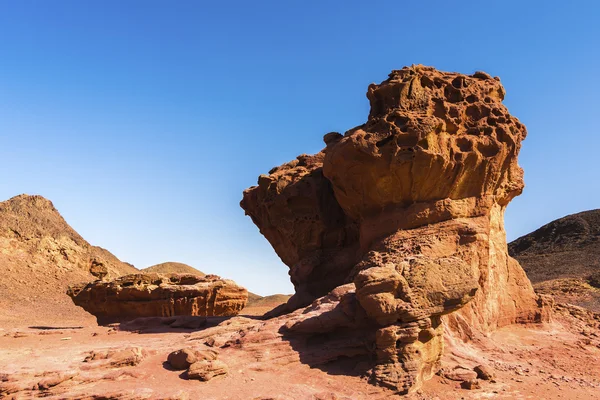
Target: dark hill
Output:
{"points": [[563, 258]]}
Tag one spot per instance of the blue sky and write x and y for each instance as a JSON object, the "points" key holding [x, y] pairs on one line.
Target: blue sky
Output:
{"points": [[143, 121]]}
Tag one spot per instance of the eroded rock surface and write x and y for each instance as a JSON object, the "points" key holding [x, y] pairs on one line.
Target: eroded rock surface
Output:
{"points": [[155, 295], [395, 230]]}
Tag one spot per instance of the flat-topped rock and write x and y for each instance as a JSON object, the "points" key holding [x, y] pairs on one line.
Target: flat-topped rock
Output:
{"points": [[156, 295]]}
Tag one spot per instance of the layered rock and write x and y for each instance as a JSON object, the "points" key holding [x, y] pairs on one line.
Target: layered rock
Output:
{"points": [[401, 220], [154, 295]]}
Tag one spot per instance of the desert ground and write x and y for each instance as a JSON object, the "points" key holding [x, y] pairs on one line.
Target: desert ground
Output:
{"points": [[556, 360]]}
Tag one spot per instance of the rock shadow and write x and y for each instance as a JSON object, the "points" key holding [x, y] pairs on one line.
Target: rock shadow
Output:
{"points": [[170, 324], [47, 328], [334, 342]]}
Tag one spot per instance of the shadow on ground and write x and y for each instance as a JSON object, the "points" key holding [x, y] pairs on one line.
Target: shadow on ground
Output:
{"points": [[171, 324]]}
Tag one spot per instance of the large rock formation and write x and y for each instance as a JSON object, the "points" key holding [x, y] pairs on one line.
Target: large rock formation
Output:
{"points": [[155, 295], [40, 255], [399, 222]]}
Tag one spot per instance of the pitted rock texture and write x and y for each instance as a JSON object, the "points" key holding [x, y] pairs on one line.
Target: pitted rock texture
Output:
{"points": [[401, 219], [155, 295]]}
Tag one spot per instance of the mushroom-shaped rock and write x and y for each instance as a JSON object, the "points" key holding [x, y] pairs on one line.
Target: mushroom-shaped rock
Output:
{"points": [[395, 230]]}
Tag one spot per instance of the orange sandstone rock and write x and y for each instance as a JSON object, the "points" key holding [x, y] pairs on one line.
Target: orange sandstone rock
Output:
{"points": [[401, 221], [154, 295]]}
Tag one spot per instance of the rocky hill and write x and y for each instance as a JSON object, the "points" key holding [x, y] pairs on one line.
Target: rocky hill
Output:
{"points": [[562, 258], [173, 268], [40, 256]]}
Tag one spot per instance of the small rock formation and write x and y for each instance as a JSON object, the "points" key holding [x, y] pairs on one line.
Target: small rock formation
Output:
{"points": [[154, 295], [116, 358], [470, 385], [460, 374], [484, 372], [207, 369], [395, 230], [182, 359]]}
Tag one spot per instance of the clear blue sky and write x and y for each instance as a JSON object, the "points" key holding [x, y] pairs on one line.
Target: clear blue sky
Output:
{"points": [[143, 121]]}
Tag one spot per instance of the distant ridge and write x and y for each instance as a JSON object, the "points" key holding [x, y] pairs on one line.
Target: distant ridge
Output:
{"points": [[566, 247], [563, 258], [171, 267]]}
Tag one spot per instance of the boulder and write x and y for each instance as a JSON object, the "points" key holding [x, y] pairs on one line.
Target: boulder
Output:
{"points": [[461, 374], [470, 385], [207, 369], [155, 295], [394, 232], [484, 372], [182, 359]]}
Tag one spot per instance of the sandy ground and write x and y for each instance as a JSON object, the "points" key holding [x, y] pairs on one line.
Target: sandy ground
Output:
{"points": [[550, 361]]}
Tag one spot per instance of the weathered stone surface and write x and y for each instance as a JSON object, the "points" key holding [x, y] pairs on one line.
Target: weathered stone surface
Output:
{"points": [[154, 295], [182, 359], [295, 208], [470, 385], [460, 374], [207, 369], [401, 221], [484, 372]]}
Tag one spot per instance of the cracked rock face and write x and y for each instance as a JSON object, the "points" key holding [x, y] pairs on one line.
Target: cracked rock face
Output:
{"points": [[399, 224], [155, 295]]}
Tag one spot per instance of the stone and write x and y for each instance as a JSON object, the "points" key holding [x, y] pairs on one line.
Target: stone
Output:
{"points": [[470, 385], [182, 359], [53, 379], [207, 369], [115, 358], [394, 232], [206, 354], [460, 374], [156, 295], [484, 372], [127, 357]]}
